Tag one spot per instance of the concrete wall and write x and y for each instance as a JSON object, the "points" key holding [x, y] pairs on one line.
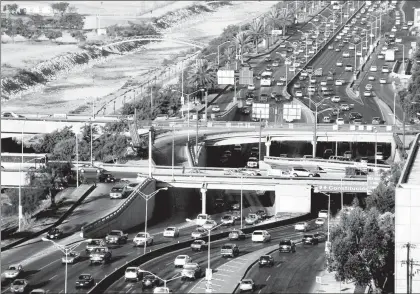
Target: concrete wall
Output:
{"points": [[130, 216], [202, 156], [228, 115]]}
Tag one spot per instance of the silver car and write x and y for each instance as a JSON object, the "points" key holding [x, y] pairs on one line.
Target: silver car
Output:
{"points": [[247, 285]]}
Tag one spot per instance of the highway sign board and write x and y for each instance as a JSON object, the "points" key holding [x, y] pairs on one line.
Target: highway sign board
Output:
{"points": [[260, 111], [291, 112], [225, 77], [345, 187], [246, 76], [277, 32], [372, 182]]}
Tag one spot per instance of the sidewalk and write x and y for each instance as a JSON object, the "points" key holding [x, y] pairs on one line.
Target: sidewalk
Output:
{"points": [[330, 285]]}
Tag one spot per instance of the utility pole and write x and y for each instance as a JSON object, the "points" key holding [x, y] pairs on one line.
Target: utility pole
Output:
{"points": [[407, 262]]}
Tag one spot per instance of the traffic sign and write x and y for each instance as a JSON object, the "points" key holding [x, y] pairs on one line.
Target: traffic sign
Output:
{"points": [[225, 77], [353, 187], [246, 76], [277, 32]]}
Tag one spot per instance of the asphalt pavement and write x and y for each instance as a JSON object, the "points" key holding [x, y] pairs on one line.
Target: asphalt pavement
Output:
{"points": [[292, 272], [164, 268]]}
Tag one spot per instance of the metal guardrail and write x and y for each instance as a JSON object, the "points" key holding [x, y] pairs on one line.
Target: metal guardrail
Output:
{"points": [[409, 163], [116, 212], [316, 160]]}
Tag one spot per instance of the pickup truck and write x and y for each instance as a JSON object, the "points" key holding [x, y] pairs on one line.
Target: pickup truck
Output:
{"points": [[229, 250], [100, 255], [116, 237]]}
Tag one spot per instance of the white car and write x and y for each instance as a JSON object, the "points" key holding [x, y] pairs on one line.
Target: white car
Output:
{"points": [[385, 69], [275, 64], [71, 258], [371, 78], [367, 93], [339, 82], [382, 81], [302, 226], [311, 89], [210, 224], [297, 86], [199, 233], [312, 80], [252, 162], [381, 56], [249, 101], [346, 54], [11, 114], [326, 119], [398, 40], [142, 237], [301, 172], [339, 63], [216, 108], [351, 47], [251, 87], [405, 27], [162, 290], [348, 68], [340, 121], [323, 83], [132, 273], [336, 99], [330, 47], [410, 23], [13, 271], [261, 236], [171, 232], [373, 68], [182, 260], [298, 94], [368, 87], [202, 218], [320, 221], [323, 213], [246, 285]]}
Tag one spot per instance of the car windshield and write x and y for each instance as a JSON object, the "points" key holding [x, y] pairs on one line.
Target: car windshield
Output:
{"points": [[53, 231], [202, 216], [170, 229], [84, 277], [307, 236], [114, 233], [285, 243], [18, 282], [252, 216], [161, 290], [72, 254], [227, 247], [227, 217], [99, 250], [117, 189], [180, 257], [209, 223], [198, 242], [200, 230], [130, 270], [257, 233], [264, 258], [94, 242], [246, 282], [140, 235], [320, 219], [149, 277]]}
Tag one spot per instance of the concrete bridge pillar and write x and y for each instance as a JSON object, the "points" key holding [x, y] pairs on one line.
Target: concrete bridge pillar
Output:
{"points": [[203, 200], [267, 148]]}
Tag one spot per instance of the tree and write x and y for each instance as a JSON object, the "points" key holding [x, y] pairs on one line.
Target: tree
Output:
{"points": [[12, 8], [48, 176], [242, 40], [256, 32], [72, 21], [383, 198], [362, 249], [65, 149], [202, 75], [53, 34], [116, 127], [60, 7], [47, 142], [286, 18], [110, 147]]}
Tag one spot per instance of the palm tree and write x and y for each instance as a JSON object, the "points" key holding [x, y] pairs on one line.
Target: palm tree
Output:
{"points": [[255, 32], [202, 75], [242, 40], [286, 18]]}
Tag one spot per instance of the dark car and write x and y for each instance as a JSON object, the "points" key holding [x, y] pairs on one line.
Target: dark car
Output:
{"points": [[85, 281], [54, 233], [246, 110], [309, 239], [150, 281], [268, 59], [237, 235], [328, 153], [266, 260], [219, 203], [106, 178], [355, 115], [263, 97], [262, 214], [287, 246]]}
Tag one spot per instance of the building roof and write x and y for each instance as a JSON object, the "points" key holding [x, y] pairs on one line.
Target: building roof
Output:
{"points": [[411, 172]]}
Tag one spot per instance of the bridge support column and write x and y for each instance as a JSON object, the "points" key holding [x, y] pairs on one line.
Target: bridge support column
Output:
{"points": [[267, 148], [203, 200]]}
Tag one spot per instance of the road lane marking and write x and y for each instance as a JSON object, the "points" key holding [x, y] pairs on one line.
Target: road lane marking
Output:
{"points": [[268, 278], [129, 289], [52, 277], [259, 291], [224, 270], [221, 275], [229, 265], [278, 265], [48, 264]]}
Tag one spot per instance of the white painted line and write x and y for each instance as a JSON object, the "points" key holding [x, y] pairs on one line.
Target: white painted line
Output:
{"points": [[259, 291], [217, 279], [229, 265], [52, 277], [225, 270], [240, 258], [268, 278], [278, 265], [47, 265], [61, 292], [217, 274], [169, 263], [129, 289]]}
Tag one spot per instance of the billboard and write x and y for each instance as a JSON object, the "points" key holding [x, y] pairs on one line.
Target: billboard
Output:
{"points": [[246, 76], [416, 17], [260, 110], [14, 178], [293, 198], [225, 77], [291, 112], [277, 32]]}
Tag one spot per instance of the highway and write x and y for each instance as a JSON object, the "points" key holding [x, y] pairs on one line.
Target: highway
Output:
{"points": [[291, 273], [259, 65], [163, 266]]}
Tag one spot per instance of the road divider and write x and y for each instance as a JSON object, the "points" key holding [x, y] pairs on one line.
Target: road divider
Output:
{"points": [[108, 280]]}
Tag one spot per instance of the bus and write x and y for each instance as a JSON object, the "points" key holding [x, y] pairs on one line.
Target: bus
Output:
{"points": [[30, 160], [266, 78]]}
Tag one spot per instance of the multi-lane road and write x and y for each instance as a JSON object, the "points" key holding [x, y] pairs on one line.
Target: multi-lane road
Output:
{"points": [[164, 266]]}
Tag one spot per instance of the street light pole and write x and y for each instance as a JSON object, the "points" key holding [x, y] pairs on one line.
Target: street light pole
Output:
{"points": [[66, 250], [329, 212], [173, 150], [77, 162], [20, 181], [146, 199], [376, 148], [242, 200]]}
